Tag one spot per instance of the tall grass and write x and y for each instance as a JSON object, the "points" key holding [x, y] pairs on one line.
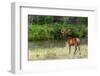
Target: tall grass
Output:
{"points": [[57, 53]]}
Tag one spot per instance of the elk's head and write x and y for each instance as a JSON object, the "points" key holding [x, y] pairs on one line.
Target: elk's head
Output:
{"points": [[65, 32]]}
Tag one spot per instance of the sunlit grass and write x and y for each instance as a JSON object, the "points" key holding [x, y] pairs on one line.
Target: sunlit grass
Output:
{"points": [[57, 53]]}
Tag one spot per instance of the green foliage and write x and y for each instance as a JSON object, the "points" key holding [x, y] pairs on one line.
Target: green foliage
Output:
{"points": [[52, 31]]}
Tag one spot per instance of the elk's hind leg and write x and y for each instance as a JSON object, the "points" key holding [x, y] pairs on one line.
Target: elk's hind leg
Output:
{"points": [[75, 50], [69, 49], [79, 50]]}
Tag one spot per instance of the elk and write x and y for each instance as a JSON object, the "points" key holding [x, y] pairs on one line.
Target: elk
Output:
{"points": [[71, 40]]}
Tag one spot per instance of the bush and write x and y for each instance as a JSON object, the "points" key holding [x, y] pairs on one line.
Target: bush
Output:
{"points": [[52, 31]]}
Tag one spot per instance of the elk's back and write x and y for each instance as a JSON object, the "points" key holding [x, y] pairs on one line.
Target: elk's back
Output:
{"points": [[73, 41]]}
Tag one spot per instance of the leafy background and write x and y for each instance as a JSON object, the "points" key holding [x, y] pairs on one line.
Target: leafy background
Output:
{"points": [[49, 27]]}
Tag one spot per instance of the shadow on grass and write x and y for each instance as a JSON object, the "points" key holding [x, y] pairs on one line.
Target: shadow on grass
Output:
{"points": [[52, 43], [46, 44]]}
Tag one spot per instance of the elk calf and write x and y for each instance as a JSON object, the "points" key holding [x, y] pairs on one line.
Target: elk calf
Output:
{"points": [[72, 41]]}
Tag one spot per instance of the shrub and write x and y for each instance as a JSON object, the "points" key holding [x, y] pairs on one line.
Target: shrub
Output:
{"points": [[52, 31]]}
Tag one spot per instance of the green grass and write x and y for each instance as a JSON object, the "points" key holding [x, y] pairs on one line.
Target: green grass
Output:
{"points": [[55, 50]]}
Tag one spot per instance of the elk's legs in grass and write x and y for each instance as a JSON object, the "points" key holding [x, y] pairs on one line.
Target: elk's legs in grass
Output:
{"points": [[77, 49]]}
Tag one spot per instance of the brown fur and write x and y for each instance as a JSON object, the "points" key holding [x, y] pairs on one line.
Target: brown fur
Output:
{"points": [[72, 41]]}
